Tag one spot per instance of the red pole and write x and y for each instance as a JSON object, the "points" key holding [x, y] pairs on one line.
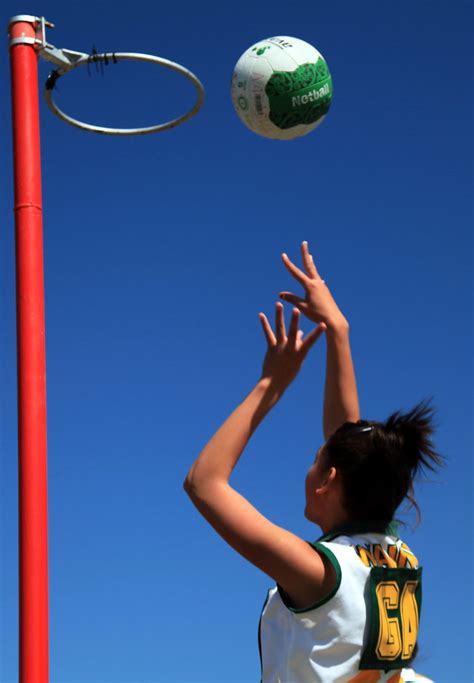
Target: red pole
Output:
{"points": [[33, 529]]}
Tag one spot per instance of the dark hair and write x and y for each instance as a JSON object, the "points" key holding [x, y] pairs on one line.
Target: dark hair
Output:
{"points": [[378, 461]]}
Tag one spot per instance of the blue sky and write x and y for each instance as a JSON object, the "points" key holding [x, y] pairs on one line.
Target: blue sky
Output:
{"points": [[160, 251]]}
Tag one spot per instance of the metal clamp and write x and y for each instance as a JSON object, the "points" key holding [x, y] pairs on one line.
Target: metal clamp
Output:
{"points": [[39, 24], [64, 59]]}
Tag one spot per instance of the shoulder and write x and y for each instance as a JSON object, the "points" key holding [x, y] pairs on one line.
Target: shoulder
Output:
{"points": [[320, 586]]}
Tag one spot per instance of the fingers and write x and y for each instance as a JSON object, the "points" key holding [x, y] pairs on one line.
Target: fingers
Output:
{"points": [[280, 338], [295, 336], [295, 271], [308, 261], [312, 338], [295, 300], [293, 331], [267, 330], [280, 324]]}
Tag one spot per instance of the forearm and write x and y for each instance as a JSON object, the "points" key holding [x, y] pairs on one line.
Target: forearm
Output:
{"points": [[341, 403], [219, 457]]}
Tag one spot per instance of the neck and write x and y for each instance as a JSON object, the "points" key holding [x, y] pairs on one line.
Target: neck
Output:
{"points": [[334, 521]]}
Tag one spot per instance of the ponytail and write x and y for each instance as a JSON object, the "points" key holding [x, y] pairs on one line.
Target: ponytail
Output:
{"points": [[415, 430]]}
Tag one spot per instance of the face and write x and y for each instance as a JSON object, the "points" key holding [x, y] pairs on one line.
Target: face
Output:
{"points": [[314, 479]]}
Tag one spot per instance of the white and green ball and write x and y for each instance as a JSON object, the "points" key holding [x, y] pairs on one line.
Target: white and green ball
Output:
{"points": [[281, 88]]}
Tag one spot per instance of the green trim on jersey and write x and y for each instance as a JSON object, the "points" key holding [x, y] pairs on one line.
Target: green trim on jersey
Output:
{"points": [[337, 567], [365, 527]]}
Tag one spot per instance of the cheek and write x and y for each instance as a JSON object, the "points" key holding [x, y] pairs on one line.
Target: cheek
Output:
{"points": [[310, 479]]}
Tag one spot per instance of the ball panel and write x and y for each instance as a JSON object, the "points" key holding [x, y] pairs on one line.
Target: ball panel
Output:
{"points": [[248, 91], [301, 96], [299, 50], [298, 131], [279, 60]]}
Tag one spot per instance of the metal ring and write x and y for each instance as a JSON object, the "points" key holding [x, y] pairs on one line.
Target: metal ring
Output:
{"points": [[48, 93]]}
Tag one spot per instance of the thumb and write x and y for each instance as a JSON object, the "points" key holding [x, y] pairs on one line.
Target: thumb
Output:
{"points": [[293, 299], [313, 337]]}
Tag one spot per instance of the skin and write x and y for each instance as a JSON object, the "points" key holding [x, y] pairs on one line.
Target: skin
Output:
{"points": [[305, 575]]}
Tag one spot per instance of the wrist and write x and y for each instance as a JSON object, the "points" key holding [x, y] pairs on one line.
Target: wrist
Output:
{"points": [[271, 387], [271, 390], [337, 325]]}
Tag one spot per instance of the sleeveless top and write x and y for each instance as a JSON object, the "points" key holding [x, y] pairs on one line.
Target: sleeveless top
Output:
{"points": [[364, 631]]}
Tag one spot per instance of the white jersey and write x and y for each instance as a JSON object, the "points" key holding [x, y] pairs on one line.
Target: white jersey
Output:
{"points": [[364, 631]]}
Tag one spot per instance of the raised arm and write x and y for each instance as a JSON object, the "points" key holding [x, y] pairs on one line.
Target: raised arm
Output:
{"points": [[341, 403], [305, 575]]}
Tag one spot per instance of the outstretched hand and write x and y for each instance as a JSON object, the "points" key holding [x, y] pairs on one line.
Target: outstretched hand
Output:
{"points": [[318, 304], [285, 354]]}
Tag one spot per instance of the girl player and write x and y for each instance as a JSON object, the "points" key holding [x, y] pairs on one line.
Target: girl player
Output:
{"points": [[345, 609]]}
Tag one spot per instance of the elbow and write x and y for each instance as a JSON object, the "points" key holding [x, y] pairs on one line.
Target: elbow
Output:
{"points": [[188, 484], [200, 490], [192, 485], [194, 492]]}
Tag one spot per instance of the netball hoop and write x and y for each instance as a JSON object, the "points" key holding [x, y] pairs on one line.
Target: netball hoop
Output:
{"points": [[67, 60], [106, 58]]}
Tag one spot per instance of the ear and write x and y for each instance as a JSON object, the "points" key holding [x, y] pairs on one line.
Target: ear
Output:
{"points": [[328, 482]]}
